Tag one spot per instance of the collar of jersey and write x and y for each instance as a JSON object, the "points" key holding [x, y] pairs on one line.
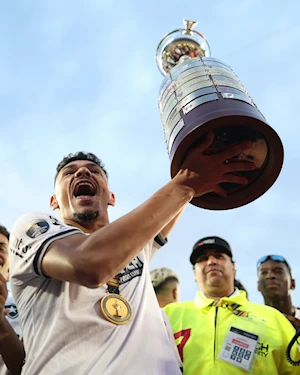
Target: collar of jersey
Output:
{"points": [[238, 297]]}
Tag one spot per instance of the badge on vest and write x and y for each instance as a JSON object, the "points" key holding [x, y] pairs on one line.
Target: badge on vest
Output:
{"points": [[239, 348]]}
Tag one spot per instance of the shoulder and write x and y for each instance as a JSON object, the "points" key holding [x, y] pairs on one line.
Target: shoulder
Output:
{"points": [[179, 307], [32, 234], [182, 315], [297, 313], [264, 309], [33, 225], [267, 312], [33, 215]]}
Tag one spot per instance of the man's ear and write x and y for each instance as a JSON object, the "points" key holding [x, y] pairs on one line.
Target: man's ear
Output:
{"points": [[293, 284], [112, 199], [258, 287], [53, 203], [234, 269], [5, 270], [174, 293]]}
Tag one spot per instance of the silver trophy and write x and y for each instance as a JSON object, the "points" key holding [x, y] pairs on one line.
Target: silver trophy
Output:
{"points": [[200, 93]]}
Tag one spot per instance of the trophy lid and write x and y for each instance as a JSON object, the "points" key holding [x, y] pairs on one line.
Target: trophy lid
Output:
{"points": [[181, 45]]}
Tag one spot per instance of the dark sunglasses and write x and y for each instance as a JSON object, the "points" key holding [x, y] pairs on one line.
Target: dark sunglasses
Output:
{"points": [[277, 258]]}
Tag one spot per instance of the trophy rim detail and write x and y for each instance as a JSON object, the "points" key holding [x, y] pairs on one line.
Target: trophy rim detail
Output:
{"points": [[187, 30]]}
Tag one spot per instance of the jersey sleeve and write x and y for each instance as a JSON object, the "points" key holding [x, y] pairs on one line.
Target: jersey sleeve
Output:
{"points": [[29, 240], [153, 246]]}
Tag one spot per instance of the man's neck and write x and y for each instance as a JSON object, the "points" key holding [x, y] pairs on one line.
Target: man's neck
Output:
{"points": [[216, 294], [284, 305], [88, 227], [163, 301]]}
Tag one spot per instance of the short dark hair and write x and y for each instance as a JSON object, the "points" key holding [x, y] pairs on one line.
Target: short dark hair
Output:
{"points": [[80, 155], [162, 285], [4, 231]]}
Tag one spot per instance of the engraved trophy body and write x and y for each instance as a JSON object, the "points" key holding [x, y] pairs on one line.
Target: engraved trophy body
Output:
{"points": [[200, 93]]}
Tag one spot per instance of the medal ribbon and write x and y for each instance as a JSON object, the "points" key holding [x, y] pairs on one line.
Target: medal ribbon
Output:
{"points": [[232, 307], [114, 307], [113, 286]]}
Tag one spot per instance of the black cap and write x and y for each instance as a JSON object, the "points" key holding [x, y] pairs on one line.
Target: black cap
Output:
{"points": [[212, 242]]}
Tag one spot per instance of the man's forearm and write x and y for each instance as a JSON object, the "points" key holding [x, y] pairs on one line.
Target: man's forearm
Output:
{"points": [[169, 227], [94, 260], [11, 348], [125, 237]]}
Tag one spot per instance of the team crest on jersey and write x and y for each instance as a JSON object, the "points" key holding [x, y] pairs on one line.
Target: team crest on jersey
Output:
{"points": [[12, 311], [37, 228], [134, 269]]}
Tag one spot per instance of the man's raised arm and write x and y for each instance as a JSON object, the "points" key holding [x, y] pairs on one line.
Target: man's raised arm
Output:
{"points": [[93, 260]]}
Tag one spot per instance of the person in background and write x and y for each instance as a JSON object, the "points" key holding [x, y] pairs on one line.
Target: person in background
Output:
{"points": [[166, 285], [11, 347], [276, 283], [221, 332]]}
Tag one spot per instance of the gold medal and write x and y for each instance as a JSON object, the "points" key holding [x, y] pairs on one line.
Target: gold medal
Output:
{"points": [[116, 309]]}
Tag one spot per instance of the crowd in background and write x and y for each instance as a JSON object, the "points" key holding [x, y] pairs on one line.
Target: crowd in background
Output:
{"points": [[223, 298]]}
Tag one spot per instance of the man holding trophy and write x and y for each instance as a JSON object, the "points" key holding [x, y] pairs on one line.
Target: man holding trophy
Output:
{"points": [[82, 284]]}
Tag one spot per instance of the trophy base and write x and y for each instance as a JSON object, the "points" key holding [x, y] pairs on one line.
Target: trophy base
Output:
{"points": [[232, 121]]}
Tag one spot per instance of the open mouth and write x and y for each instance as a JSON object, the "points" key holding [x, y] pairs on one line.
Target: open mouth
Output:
{"points": [[84, 189]]}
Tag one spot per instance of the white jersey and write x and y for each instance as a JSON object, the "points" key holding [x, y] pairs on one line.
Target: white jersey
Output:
{"points": [[13, 319], [64, 331], [171, 337]]}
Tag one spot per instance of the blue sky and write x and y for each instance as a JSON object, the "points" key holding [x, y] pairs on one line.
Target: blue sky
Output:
{"points": [[81, 75]]}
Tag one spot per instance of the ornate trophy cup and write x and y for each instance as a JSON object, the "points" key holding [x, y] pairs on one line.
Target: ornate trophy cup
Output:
{"points": [[200, 93]]}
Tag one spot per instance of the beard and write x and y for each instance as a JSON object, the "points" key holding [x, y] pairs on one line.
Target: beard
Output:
{"points": [[85, 217]]}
